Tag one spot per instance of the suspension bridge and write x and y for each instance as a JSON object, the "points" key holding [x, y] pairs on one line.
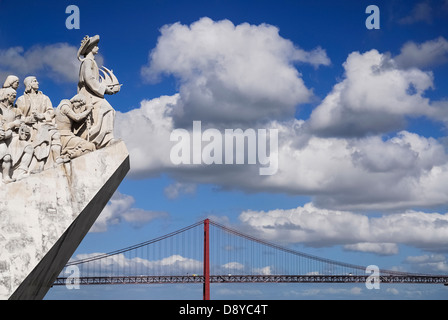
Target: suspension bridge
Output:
{"points": [[209, 252]]}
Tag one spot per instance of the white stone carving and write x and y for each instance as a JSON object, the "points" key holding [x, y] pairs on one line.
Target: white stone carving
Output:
{"points": [[94, 86], [68, 113], [34, 136]]}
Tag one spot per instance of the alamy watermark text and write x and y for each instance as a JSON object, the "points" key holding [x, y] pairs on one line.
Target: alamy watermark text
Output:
{"points": [[233, 146]]}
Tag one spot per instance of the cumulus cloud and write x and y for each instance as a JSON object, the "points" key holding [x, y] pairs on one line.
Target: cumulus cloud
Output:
{"points": [[57, 61], [120, 208], [371, 172], [421, 12], [429, 263], [121, 264], [230, 74], [424, 55], [379, 248], [375, 97], [146, 131], [339, 157], [234, 266], [320, 292], [174, 190], [264, 271], [318, 227]]}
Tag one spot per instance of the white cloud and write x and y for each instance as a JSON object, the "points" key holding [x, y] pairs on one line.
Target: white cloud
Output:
{"points": [[232, 293], [146, 131], [434, 263], [174, 190], [339, 156], [379, 248], [321, 227], [320, 292], [403, 171], [230, 74], [57, 61], [375, 97], [393, 291], [264, 271], [120, 208], [234, 266], [369, 173], [424, 55], [421, 12], [344, 166], [121, 264]]}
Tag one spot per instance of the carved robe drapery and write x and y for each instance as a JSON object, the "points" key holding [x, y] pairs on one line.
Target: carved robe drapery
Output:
{"points": [[11, 145], [43, 131]]}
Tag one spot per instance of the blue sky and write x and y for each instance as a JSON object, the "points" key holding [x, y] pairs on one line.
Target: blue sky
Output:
{"points": [[362, 116]]}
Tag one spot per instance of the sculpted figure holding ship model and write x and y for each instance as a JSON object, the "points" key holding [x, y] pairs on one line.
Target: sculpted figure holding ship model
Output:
{"points": [[98, 128]]}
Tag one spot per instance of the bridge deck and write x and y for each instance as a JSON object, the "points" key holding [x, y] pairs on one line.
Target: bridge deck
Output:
{"points": [[423, 279]]}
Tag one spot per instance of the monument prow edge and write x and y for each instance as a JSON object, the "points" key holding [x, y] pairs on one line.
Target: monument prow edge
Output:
{"points": [[81, 189]]}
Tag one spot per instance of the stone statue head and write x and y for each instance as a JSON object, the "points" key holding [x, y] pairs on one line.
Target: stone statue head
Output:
{"points": [[88, 44], [11, 82], [8, 95], [24, 132], [31, 83]]}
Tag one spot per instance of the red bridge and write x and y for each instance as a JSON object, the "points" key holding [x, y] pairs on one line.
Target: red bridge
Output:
{"points": [[185, 256]]}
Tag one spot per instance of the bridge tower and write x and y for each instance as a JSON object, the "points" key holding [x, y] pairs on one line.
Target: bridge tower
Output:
{"points": [[206, 288]]}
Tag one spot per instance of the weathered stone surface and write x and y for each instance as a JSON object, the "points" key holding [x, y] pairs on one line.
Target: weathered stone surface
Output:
{"points": [[44, 217]]}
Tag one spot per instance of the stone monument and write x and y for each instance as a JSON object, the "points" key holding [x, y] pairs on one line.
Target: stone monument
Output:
{"points": [[60, 166]]}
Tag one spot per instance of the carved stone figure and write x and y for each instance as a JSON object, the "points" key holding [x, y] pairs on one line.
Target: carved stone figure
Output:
{"points": [[94, 86], [11, 82], [5, 156], [68, 113], [39, 114], [20, 149]]}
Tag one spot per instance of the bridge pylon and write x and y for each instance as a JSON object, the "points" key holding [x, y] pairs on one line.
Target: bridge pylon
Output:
{"points": [[206, 288]]}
